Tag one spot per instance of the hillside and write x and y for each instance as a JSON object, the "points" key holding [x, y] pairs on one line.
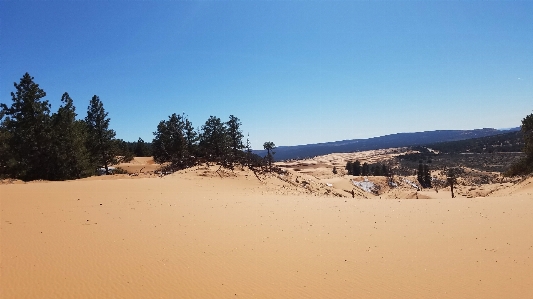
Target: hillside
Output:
{"points": [[504, 143], [387, 141]]}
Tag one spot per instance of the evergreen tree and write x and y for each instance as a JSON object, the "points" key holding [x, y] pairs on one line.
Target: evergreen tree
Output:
{"points": [[70, 157], [420, 175], [191, 139], [7, 161], [527, 135], [349, 167], [170, 143], [100, 142], [427, 177], [235, 138], [123, 150], [141, 149], [357, 168], [451, 179], [365, 169], [28, 132], [384, 170], [214, 141], [269, 146], [525, 165], [377, 170]]}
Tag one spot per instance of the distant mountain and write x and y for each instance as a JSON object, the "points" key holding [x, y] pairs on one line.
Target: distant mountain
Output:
{"points": [[509, 141], [387, 141]]}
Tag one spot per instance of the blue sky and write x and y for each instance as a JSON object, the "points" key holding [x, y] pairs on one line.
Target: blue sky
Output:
{"points": [[294, 72]]}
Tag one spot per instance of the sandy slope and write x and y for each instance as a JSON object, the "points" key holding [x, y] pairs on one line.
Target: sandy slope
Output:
{"points": [[197, 235]]}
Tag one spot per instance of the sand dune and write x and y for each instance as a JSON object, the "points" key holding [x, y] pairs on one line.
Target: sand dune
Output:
{"points": [[203, 234]]}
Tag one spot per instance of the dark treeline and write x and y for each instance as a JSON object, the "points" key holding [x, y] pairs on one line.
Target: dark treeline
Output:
{"points": [[525, 165], [501, 143], [178, 145], [37, 144], [365, 169]]}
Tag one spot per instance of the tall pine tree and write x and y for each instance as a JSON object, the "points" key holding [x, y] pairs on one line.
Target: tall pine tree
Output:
{"points": [[102, 148], [27, 128], [170, 143], [357, 168], [214, 141], [235, 137], [70, 156]]}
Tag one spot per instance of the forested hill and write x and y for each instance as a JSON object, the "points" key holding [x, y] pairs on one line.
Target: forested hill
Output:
{"points": [[387, 141], [506, 142]]}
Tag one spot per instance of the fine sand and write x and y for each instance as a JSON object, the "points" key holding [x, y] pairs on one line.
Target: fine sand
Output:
{"points": [[206, 234]]}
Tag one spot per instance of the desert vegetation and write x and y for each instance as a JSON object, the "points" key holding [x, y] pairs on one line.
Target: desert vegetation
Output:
{"points": [[37, 144]]}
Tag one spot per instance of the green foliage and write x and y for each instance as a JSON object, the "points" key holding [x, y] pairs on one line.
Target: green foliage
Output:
{"points": [[37, 145], [365, 169], [170, 143], [119, 170], [214, 141], [357, 170], [141, 149], [525, 165], [451, 178], [27, 131], [235, 137], [7, 160], [269, 146], [385, 170], [102, 148], [527, 135], [349, 167], [124, 154], [178, 144], [501, 143], [70, 156], [427, 177], [423, 175]]}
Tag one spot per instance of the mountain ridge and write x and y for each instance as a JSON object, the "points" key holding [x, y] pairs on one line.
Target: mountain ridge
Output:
{"points": [[380, 142]]}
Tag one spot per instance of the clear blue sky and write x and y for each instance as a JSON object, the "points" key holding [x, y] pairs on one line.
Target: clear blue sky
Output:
{"points": [[294, 72]]}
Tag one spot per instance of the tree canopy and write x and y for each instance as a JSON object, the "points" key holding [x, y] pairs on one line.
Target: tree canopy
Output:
{"points": [[35, 144]]}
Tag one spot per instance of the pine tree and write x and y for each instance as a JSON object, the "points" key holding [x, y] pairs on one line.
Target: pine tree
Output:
{"points": [[141, 150], [27, 128], [235, 138], [123, 151], [525, 165], [527, 135], [377, 170], [357, 168], [100, 142], [248, 148], [214, 141], [269, 146], [70, 157], [384, 170], [365, 169], [420, 175], [349, 167], [7, 160], [191, 139], [427, 177], [170, 143], [451, 179]]}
